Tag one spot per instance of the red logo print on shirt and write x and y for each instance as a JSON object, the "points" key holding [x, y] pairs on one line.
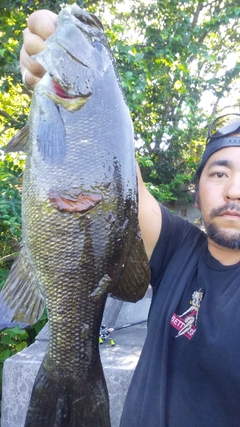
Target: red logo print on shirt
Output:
{"points": [[186, 323]]}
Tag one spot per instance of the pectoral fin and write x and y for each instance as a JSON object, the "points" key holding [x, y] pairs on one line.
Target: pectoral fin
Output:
{"points": [[21, 301], [135, 276], [51, 137]]}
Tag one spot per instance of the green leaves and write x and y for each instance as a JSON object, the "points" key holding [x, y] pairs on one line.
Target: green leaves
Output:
{"points": [[169, 56], [10, 206], [3, 276]]}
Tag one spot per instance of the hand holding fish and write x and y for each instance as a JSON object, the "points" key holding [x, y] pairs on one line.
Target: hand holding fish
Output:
{"points": [[40, 25]]}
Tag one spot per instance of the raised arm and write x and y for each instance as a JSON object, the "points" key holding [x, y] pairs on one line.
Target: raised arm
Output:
{"points": [[150, 217]]}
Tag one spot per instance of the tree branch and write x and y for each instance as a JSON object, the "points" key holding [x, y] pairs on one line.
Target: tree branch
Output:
{"points": [[196, 15], [8, 117]]}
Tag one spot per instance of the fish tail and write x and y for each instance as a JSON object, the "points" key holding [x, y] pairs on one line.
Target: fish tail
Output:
{"points": [[60, 401]]}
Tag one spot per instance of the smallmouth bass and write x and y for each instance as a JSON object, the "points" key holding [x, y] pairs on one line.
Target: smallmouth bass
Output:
{"points": [[81, 238]]}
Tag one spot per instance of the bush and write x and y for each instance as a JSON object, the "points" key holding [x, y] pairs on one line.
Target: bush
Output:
{"points": [[10, 207]]}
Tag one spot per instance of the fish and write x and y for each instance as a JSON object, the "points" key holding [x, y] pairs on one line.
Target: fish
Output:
{"points": [[81, 239]]}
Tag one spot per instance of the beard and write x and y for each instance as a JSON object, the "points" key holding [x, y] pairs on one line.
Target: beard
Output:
{"points": [[223, 237]]}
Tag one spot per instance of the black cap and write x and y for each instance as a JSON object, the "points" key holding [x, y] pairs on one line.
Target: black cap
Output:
{"points": [[226, 136], [217, 144]]}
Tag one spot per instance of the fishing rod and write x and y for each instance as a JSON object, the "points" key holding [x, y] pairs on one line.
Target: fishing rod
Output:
{"points": [[105, 333]]}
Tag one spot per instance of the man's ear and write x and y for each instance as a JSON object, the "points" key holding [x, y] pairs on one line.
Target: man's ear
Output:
{"points": [[197, 200]]}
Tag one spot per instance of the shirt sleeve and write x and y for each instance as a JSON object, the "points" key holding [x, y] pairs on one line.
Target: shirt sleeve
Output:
{"points": [[174, 230]]}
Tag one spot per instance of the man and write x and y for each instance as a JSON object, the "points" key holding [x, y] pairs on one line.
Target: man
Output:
{"points": [[189, 372]]}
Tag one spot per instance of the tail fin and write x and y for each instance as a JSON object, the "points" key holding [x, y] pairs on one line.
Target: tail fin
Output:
{"points": [[60, 401]]}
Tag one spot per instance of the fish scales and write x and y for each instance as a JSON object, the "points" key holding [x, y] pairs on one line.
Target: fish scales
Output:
{"points": [[80, 230]]}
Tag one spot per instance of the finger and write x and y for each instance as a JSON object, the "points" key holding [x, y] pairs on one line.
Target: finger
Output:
{"points": [[35, 70], [32, 42], [31, 64], [42, 23], [29, 80]]}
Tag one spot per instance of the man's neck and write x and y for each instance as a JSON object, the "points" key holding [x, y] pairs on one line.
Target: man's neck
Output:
{"points": [[224, 255]]}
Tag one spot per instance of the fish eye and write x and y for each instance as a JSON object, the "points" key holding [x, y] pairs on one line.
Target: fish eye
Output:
{"points": [[98, 46]]}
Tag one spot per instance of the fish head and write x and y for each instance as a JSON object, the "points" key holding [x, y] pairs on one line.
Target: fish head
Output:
{"points": [[77, 55]]}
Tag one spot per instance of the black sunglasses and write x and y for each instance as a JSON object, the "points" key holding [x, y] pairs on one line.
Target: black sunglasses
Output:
{"points": [[223, 125]]}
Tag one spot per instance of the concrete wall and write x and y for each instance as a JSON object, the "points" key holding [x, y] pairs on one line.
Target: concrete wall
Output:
{"points": [[118, 362]]}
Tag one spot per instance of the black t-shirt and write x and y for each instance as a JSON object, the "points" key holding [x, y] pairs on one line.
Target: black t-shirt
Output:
{"points": [[188, 374]]}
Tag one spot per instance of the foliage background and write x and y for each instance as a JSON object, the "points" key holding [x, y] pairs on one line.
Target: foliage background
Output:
{"points": [[179, 65]]}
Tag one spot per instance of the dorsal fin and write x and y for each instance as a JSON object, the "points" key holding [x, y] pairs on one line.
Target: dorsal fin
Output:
{"points": [[19, 142]]}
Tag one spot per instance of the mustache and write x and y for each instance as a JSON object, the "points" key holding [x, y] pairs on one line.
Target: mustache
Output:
{"points": [[227, 207]]}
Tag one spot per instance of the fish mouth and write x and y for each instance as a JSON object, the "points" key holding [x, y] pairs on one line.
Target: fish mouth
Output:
{"points": [[70, 102], [61, 92]]}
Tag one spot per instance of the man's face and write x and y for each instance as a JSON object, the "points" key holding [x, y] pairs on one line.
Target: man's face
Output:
{"points": [[219, 197]]}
